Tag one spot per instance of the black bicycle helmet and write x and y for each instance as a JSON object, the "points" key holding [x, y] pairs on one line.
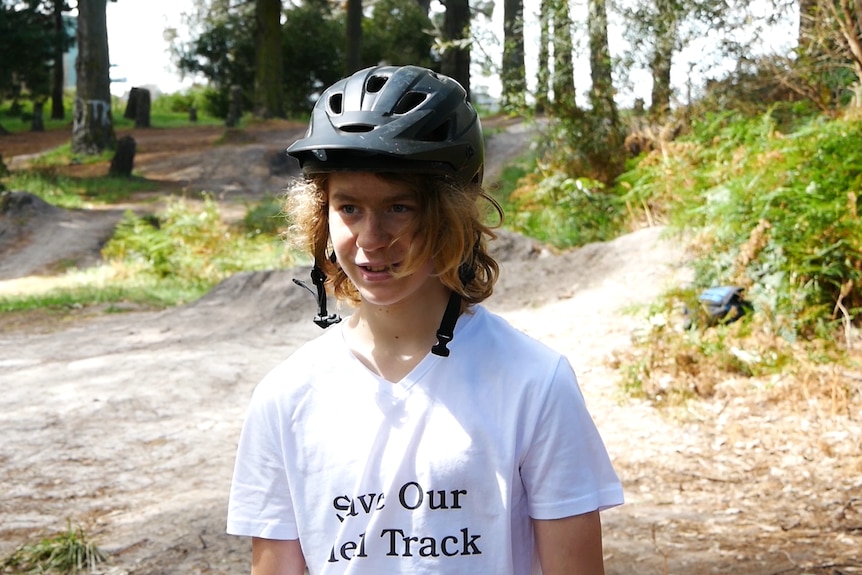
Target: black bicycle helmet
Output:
{"points": [[394, 119]]}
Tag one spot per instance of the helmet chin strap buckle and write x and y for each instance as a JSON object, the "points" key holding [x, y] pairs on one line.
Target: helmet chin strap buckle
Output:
{"points": [[446, 331], [322, 319]]}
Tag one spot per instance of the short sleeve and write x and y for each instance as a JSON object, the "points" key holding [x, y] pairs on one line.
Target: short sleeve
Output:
{"points": [[566, 469], [260, 502]]}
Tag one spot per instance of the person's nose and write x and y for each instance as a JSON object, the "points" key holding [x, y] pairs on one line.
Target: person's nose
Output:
{"points": [[373, 234]]}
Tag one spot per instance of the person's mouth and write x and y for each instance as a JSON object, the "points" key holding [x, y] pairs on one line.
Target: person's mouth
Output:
{"points": [[378, 268]]}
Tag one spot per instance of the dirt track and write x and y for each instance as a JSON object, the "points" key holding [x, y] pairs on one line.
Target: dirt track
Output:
{"points": [[126, 423]]}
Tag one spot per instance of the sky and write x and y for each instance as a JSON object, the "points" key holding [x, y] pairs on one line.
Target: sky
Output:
{"points": [[136, 44]]}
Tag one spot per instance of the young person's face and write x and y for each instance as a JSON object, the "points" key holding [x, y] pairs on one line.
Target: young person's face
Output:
{"points": [[372, 224]]}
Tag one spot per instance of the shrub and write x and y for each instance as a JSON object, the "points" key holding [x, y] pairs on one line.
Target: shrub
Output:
{"points": [[69, 552], [564, 211], [777, 214], [192, 245]]}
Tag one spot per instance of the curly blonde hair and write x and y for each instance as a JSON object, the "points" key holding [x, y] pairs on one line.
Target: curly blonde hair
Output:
{"points": [[450, 218]]}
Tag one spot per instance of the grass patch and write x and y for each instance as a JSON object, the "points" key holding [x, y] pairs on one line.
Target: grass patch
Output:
{"points": [[167, 111], [110, 284], [70, 192], [69, 552], [161, 261], [63, 156], [542, 202]]}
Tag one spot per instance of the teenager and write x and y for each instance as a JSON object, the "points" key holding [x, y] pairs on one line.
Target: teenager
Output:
{"points": [[423, 434]]}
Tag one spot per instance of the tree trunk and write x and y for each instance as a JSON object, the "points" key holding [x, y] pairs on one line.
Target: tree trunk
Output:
{"points": [[514, 75], [425, 5], [543, 76], [602, 91], [354, 36], [142, 109], [269, 70], [58, 112], [37, 124], [234, 112], [664, 43], [456, 33], [123, 161], [607, 154], [93, 124], [849, 17], [564, 68]]}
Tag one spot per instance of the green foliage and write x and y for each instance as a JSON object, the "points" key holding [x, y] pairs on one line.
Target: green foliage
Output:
{"points": [[17, 116], [313, 42], [398, 32], [192, 245], [26, 30], [173, 109], [585, 144], [69, 552], [265, 217], [552, 200], [224, 53], [778, 214], [826, 66], [69, 192], [167, 260], [114, 287], [564, 211]]}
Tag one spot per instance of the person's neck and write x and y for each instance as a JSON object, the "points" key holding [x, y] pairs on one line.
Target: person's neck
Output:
{"points": [[392, 340]]}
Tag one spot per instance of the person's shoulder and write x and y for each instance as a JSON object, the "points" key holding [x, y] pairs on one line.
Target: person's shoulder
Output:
{"points": [[497, 337], [309, 361]]}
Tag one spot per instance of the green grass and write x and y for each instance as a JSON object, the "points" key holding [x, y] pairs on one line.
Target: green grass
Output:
{"points": [[166, 120], [778, 213], [106, 285], [168, 259], [773, 207], [69, 552], [167, 111], [562, 211], [70, 192]]}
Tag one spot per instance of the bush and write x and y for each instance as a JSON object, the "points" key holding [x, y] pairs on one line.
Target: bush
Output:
{"points": [[775, 212], [564, 211], [778, 214], [192, 245], [266, 217], [181, 102], [69, 552]]}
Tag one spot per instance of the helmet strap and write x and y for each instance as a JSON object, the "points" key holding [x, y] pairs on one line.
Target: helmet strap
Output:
{"points": [[322, 319], [446, 331]]}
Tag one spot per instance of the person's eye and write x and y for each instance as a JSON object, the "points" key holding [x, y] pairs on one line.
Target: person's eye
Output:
{"points": [[347, 209], [401, 208]]}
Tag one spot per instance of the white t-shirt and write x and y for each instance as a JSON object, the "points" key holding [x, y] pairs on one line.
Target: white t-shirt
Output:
{"points": [[439, 473]]}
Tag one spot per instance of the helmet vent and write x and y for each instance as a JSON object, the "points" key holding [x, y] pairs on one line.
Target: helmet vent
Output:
{"points": [[336, 103], [438, 134], [375, 83], [409, 101], [357, 128]]}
